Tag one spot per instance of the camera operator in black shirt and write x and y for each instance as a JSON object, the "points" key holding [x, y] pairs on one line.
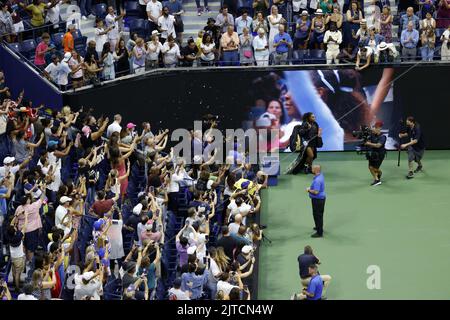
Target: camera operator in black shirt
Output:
{"points": [[416, 145], [376, 152]]}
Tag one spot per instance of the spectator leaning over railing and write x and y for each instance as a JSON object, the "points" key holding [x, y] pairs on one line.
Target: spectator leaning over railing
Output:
{"points": [[366, 55], [385, 53], [409, 39]]}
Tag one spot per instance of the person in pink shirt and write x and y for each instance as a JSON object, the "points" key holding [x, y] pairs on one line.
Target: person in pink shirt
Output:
{"points": [[41, 49], [34, 224], [150, 233]]}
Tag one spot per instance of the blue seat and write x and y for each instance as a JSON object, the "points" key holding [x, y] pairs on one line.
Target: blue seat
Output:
{"points": [[139, 26], [27, 48], [316, 56], [79, 39], [298, 56], [245, 5], [14, 46], [132, 9], [101, 10], [57, 39]]}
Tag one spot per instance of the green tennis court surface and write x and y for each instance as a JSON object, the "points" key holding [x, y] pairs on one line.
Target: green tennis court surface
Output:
{"points": [[401, 226]]}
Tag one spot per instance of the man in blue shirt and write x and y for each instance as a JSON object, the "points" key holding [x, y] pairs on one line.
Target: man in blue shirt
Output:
{"points": [[194, 280], [317, 195], [409, 40], [315, 286], [409, 16], [282, 42]]}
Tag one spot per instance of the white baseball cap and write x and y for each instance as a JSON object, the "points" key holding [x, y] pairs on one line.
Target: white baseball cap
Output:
{"points": [[9, 160], [67, 56], [64, 199], [246, 249]]}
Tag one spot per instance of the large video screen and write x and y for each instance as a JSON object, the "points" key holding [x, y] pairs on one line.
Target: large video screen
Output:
{"points": [[342, 101]]}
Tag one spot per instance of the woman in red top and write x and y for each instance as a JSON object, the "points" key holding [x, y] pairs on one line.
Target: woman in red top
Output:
{"points": [[41, 49]]}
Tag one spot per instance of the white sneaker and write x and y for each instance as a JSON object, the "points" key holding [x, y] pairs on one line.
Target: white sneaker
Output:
{"points": [[84, 18]]}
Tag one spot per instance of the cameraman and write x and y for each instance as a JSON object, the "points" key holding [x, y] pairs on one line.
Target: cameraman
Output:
{"points": [[376, 153]]}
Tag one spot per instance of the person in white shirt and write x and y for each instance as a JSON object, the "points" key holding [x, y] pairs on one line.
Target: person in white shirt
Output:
{"points": [[154, 11], [115, 126], [234, 226], [101, 35], [166, 24], [27, 293], [89, 286], [176, 293], [171, 53], [332, 38], [261, 47], [9, 167], [63, 218], [51, 71], [238, 206], [53, 13], [445, 49], [224, 286], [154, 48], [244, 21], [113, 24], [64, 70]]}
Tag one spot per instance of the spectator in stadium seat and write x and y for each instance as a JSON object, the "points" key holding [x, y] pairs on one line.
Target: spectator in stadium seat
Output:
{"points": [[41, 49], [91, 50], [228, 243], [225, 286], [234, 226], [365, 54], [139, 55], [408, 17], [114, 126], [282, 43], [385, 53], [332, 38], [176, 293], [37, 9], [166, 25], [260, 6], [207, 50], [171, 53], [428, 21], [354, 18], [122, 57], [428, 40], [409, 40], [68, 42], [15, 238], [274, 19], [112, 23], [6, 23], [261, 47], [76, 64], [372, 14], [445, 48], [374, 39], [194, 280], [302, 31], [443, 14], [176, 9], [244, 21], [363, 33], [260, 23], [224, 20], [426, 6], [92, 68], [101, 35], [386, 24], [103, 205], [190, 53], [27, 293], [53, 14], [154, 11], [107, 58], [230, 45], [19, 27], [335, 17], [246, 48], [317, 32], [154, 48]]}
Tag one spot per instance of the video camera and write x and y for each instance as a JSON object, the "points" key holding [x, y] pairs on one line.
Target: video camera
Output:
{"points": [[362, 134]]}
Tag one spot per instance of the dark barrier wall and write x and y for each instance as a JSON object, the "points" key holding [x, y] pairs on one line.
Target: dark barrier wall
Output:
{"points": [[175, 99], [19, 76]]}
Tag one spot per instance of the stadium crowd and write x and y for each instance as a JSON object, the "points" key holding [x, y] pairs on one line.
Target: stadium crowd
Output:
{"points": [[102, 209], [259, 32]]}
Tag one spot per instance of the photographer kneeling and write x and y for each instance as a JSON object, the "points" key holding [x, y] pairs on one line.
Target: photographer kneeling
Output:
{"points": [[376, 153]]}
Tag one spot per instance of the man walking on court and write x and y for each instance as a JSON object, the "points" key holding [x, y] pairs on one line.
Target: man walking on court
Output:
{"points": [[317, 195], [416, 145]]}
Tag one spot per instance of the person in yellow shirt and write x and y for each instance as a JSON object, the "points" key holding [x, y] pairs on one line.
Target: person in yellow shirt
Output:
{"points": [[199, 40], [37, 9]]}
